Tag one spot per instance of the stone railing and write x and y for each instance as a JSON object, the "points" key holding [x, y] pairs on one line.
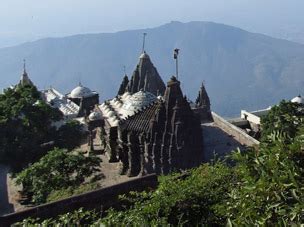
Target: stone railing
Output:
{"points": [[238, 134], [102, 198]]}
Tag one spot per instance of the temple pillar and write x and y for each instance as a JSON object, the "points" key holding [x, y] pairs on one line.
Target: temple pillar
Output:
{"points": [[133, 155]]}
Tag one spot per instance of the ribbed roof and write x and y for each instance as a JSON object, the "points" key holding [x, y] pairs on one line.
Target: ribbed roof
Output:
{"points": [[140, 122]]}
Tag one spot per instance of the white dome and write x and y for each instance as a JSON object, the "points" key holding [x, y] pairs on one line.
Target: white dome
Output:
{"points": [[110, 114], [94, 116], [81, 92], [138, 100], [126, 95], [298, 100]]}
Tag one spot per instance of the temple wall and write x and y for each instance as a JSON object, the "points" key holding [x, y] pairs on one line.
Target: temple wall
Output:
{"points": [[102, 198], [236, 132]]}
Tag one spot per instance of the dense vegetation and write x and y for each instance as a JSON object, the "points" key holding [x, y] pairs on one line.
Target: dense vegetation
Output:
{"points": [[260, 187], [26, 129], [56, 170], [29, 138]]}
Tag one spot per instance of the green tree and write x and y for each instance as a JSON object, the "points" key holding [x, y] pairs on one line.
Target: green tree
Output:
{"points": [[56, 170], [284, 118], [69, 135], [25, 124]]}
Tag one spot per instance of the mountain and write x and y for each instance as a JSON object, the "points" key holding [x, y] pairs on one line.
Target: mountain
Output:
{"points": [[241, 70]]}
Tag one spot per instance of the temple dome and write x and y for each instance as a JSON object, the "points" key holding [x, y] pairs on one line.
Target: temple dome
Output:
{"points": [[94, 116], [81, 92], [298, 100], [138, 100]]}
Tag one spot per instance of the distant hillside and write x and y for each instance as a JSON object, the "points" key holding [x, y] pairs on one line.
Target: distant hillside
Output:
{"points": [[241, 70]]}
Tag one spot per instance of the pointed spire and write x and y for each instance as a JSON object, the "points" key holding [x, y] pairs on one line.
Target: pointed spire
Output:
{"points": [[25, 80], [146, 77], [123, 85], [202, 99]]}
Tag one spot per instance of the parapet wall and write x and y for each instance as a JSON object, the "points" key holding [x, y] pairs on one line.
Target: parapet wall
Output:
{"points": [[234, 131], [100, 199]]}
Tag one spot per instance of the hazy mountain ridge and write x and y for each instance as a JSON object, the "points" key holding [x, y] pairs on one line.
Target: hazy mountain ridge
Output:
{"points": [[242, 70]]}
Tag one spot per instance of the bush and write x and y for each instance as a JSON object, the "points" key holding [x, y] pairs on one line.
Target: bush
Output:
{"points": [[55, 171]]}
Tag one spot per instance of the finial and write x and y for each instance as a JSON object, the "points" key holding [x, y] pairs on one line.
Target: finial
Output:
{"points": [[24, 66], [144, 42], [124, 68]]}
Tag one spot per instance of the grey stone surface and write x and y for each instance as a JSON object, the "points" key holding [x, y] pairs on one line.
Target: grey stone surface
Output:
{"points": [[5, 205], [217, 143]]}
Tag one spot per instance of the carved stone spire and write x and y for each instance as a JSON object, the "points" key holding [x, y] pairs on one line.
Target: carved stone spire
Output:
{"points": [[173, 95], [202, 105], [25, 80], [202, 99], [146, 77], [123, 85]]}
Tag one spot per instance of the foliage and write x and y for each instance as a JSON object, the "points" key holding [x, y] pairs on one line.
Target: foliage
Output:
{"points": [[56, 170], [284, 118], [271, 186], [71, 191], [26, 126], [188, 201], [69, 135], [80, 217]]}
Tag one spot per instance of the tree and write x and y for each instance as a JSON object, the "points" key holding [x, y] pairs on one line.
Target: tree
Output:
{"points": [[283, 118], [56, 170], [69, 135], [25, 124]]}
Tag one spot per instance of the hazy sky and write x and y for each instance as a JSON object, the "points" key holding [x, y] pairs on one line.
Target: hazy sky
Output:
{"points": [[27, 20]]}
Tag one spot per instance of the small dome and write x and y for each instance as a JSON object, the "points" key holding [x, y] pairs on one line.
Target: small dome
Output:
{"points": [[81, 92], [110, 114], [298, 100], [144, 55], [94, 116], [126, 95]]}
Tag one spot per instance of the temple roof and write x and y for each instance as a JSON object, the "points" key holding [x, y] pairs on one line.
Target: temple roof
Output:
{"points": [[125, 106], [138, 100], [145, 77], [298, 99], [57, 100], [140, 122]]}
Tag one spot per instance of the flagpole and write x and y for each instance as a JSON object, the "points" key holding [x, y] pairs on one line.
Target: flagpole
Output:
{"points": [[144, 42], [176, 61]]}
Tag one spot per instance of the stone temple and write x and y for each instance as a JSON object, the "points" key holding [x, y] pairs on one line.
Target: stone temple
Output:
{"points": [[149, 127]]}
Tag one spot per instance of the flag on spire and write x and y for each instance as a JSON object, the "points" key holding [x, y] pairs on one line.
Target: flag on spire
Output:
{"points": [[176, 53]]}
